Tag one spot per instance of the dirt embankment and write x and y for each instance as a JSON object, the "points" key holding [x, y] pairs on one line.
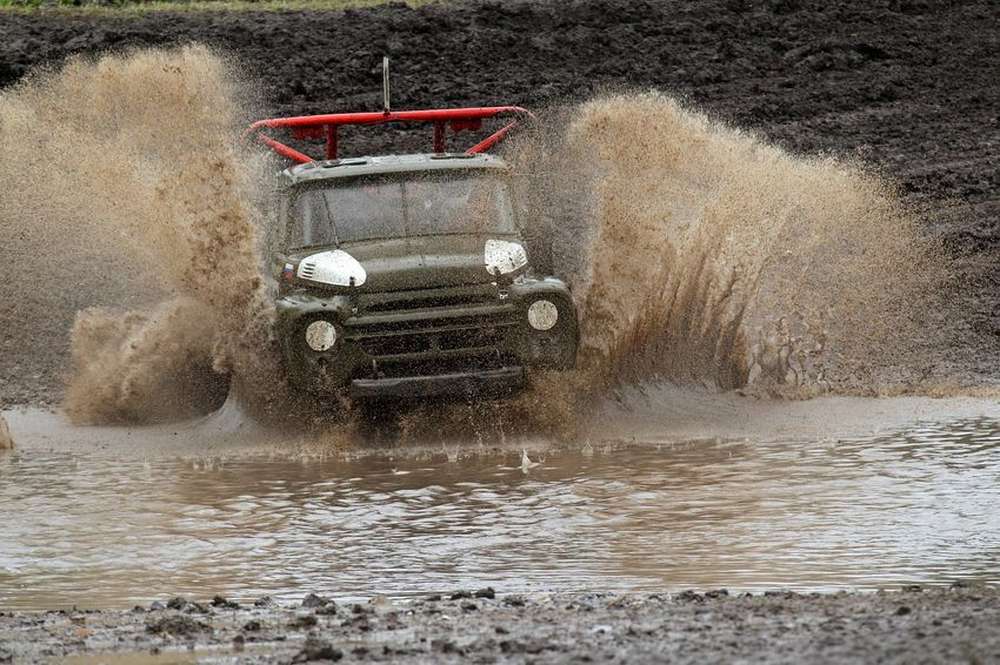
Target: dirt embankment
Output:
{"points": [[904, 84], [938, 626]]}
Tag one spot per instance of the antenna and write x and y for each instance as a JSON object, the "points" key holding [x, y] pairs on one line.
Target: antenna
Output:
{"points": [[386, 106]]}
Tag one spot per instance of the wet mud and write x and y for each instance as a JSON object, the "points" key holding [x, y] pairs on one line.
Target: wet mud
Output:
{"points": [[6, 440], [920, 624], [907, 87]]}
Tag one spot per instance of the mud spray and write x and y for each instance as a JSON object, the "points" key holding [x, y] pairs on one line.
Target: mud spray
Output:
{"points": [[697, 253], [6, 441], [129, 168], [713, 258]]}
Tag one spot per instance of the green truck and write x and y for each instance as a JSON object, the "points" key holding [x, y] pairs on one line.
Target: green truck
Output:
{"points": [[408, 276]]}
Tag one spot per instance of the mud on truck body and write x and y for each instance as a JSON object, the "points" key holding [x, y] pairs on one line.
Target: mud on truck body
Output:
{"points": [[408, 275]]}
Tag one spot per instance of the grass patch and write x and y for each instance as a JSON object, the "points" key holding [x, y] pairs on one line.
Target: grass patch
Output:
{"points": [[138, 7]]}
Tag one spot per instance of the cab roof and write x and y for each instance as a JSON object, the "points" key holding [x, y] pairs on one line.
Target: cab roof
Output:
{"points": [[362, 166]]}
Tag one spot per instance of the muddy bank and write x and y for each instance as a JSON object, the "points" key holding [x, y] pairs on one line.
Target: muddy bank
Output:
{"points": [[915, 625], [907, 86]]}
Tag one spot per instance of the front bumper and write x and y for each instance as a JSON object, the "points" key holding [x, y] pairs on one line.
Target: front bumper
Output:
{"points": [[446, 341], [486, 382]]}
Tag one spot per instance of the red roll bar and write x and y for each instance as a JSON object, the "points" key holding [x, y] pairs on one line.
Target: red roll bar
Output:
{"points": [[326, 126]]}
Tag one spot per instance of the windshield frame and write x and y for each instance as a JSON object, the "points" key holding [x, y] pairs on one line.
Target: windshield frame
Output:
{"points": [[290, 204]]}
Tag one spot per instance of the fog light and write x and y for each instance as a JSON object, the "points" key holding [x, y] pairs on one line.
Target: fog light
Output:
{"points": [[542, 315], [321, 335]]}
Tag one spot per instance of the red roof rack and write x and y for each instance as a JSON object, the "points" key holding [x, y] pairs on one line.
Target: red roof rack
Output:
{"points": [[326, 126]]}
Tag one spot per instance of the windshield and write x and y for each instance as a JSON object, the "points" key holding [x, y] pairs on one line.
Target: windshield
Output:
{"points": [[366, 208]]}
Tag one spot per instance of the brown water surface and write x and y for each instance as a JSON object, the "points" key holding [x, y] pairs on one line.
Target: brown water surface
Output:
{"points": [[100, 517]]}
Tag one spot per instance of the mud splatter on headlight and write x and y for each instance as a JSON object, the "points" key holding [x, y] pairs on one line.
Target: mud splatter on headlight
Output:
{"points": [[543, 315], [321, 335], [504, 256]]}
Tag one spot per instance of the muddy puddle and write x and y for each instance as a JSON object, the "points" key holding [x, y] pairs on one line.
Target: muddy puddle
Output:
{"points": [[715, 491], [186, 657]]}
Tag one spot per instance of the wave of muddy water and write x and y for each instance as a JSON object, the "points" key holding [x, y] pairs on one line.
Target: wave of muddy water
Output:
{"points": [[697, 253], [692, 490]]}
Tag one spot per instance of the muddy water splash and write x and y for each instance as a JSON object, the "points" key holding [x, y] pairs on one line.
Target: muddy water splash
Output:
{"points": [[129, 166], [6, 440], [710, 257], [697, 252]]}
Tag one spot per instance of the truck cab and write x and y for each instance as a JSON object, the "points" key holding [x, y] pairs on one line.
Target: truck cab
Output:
{"points": [[408, 276]]}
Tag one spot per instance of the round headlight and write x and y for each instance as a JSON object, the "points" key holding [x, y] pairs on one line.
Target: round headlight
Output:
{"points": [[542, 315], [321, 335]]}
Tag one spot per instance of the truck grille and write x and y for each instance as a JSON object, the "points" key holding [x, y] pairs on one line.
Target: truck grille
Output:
{"points": [[402, 301], [425, 341], [429, 342]]}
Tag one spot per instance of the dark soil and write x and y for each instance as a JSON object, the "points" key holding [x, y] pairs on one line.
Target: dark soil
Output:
{"points": [[927, 626], [908, 85]]}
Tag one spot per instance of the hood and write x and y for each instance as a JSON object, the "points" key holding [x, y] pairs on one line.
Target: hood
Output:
{"points": [[412, 263]]}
